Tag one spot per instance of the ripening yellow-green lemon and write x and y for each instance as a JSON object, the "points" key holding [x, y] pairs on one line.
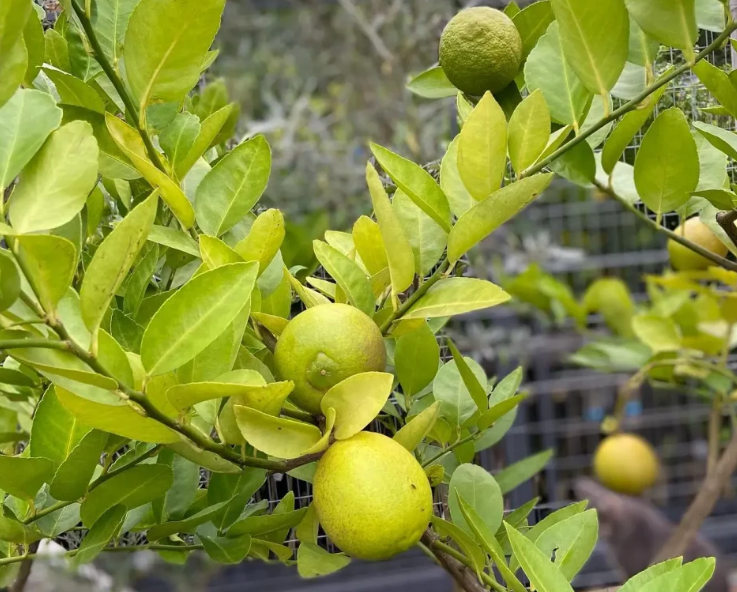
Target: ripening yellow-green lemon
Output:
{"points": [[684, 259], [323, 346], [480, 50], [626, 463], [371, 496]]}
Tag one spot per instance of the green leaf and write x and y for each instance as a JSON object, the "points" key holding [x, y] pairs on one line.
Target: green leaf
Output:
{"points": [[432, 84], [456, 295], [75, 472], [529, 131], [50, 263], [195, 316], [497, 411], [264, 239], [671, 22], [238, 488], [637, 582], [514, 475], [132, 488], [35, 42], [667, 163], [626, 129], [120, 419], [543, 574], [165, 46], [467, 545], [473, 385], [451, 183], [186, 477], [690, 577], [416, 359], [56, 523], [480, 491], [718, 83], [357, 401], [226, 550], [57, 50], [488, 215], [186, 525], [416, 183], [482, 148], [427, 239], [352, 281], [547, 69], [184, 396], [572, 540], [369, 244], [130, 143], [578, 165], [104, 529], [275, 436], [26, 120], [204, 458], [660, 334], [74, 91], [55, 431], [594, 38], [110, 21], [503, 391], [314, 561], [710, 15], [721, 139], [179, 136], [53, 187], [23, 477], [456, 403], [13, 17], [209, 129], [261, 525], [400, 257], [415, 430], [174, 239], [233, 186], [139, 281], [532, 22], [552, 519], [112, 261], [643, 49]]}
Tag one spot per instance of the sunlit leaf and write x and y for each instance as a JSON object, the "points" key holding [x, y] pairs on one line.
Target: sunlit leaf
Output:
{"points": [[432, 84], [543, 574], [369, 244], [450, 181], [74, 91], [314, 561], [352, 281], [529, 131], [209, 129], [456, 403], [427, 239], [23, 477], [357, 400], [672, 22], [532, 22], [13, 17], [456, 295], [515, 474], [275, 436], [416, 359], [572, 540], [179, 136], [478, 489], [98, 537], [263, 240], [718, 83], [638, 581], [226, 550], [415, 430]]}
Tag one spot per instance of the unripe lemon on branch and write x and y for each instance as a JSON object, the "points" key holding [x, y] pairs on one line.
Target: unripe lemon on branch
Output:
{"points": [[684, 259], [371, 496], [480, 50], [323, 346], [626, 463]]}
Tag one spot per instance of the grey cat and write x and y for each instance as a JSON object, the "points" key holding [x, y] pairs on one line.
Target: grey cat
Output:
{"points": [[635, 531]]}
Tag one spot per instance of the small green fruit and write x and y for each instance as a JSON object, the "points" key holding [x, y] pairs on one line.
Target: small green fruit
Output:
{"points": [[684, 259], [480, 50], [372, 497], [323, 346]]}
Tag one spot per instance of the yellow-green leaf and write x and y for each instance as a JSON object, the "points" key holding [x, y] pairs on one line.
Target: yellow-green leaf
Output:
{"points": [[348, 276], [452, 184], [209, 129], [529, 131], [184, 396], [661, 334], [543, 574], [263, 240], [369, 244], [98, 537], [309, 297], [672, 22], [75, 91], [314, 561], [474, 387], [415, 430], [482, 148], [416, 359], [427, 239], [275, 436], [357, 401], [23, 477], [215, 252], [456, 295]]}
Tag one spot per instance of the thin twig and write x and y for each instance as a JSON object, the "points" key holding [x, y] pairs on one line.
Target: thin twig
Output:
{"points": [[726, 220], [35, 343], [445, 451], [123, 549]]}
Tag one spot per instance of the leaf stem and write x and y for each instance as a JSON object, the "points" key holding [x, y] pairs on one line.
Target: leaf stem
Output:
{"points": [[445, 451], [713, 257], [34, 342], [632, 104]]}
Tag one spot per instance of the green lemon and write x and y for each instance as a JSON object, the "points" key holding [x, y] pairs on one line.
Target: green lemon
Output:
{"points": [[684, 259], [480, 50], [323, 346], [371, 496], [626, 463]]}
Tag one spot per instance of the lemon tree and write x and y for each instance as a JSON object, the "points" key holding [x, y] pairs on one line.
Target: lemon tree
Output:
{"points": [[154, 326]]}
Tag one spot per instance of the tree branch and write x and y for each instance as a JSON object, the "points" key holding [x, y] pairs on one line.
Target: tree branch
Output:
{"points": [[463, 576], [726, 220], [445, 451], [34, 342], [19, 584], [124, 549]]}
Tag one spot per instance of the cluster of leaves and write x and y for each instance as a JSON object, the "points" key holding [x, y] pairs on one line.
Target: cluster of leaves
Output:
{"points": [[141, 301]]}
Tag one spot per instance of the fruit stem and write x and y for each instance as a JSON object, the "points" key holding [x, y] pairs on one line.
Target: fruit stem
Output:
{"points": [[632, 104], [713, 257], [726, 220]]}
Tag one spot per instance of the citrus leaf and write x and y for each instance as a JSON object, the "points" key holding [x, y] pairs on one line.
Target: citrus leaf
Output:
{"points": [[667, 163], [186, 525], [637, 582], [236, 488], [514, 475], [132, 488], [215, 253], [722, 139], [50, 263], [532, 22], [56, 50], [204, 458], [543, 574], [26, 120], [13, 17], [660, 334], [473, 385], [209, 130], [432, 84], [690, 577], [416, 359], [179, 136], [594, 38], [112, 261], [98, 537], [119, 419], [23, 477], [357, 401], [75, 472], [74, 91], [480, 491], [529, 131], [309, 297], [352, 281], [314, 561], [400, 257], [457, 295], [185, 396], [427, 239], [369, 245], [35, 42], [174, 239], [467, 545], [482, 148], [672, 22], [233, 186], [166, 43], [456, 404], [264, 239], [56, 523], [195, 316], [226, 550], [416, 183], [415, 430], [450, 181], [497, 411], [572, 540], [53, 187], [578, 165], [547, 69], [275, 436], [110, 21], [261, 525]]}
